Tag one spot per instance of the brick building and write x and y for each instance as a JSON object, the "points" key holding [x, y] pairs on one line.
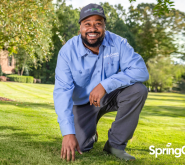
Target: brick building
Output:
{"points": [[7, 63]]}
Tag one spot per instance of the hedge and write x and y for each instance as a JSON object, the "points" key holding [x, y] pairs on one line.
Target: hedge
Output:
{"points": [[22, 79]]}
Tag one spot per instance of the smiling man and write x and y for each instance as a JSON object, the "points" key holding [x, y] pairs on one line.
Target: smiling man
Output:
{"points": [[98, 72]]}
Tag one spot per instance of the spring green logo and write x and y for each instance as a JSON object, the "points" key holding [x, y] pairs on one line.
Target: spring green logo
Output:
{"points": [[93, 9]]}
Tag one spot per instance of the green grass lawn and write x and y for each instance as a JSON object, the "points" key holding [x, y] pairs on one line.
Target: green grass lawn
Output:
{"points": [[30, 134]]}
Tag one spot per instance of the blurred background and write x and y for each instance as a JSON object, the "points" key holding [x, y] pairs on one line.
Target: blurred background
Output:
{"points": [[32, 33]]}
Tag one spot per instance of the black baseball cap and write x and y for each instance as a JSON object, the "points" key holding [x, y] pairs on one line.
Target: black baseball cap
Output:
{"points": [[91, 9]]}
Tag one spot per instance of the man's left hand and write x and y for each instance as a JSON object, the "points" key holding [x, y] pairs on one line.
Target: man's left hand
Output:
{"points": [[96, 94]]}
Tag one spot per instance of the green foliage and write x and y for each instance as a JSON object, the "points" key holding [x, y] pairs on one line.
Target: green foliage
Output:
{"points": [[181, 85], [67, 26], [23, 61], [29, 79], [162, 7], [151, 33], [27, 25], [1, 73], [115, 23], [163, 73], [21, 79], [146, 32]]}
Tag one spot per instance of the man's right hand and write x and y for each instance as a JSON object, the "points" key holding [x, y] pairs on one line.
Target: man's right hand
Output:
{"points": [[69, 144]]}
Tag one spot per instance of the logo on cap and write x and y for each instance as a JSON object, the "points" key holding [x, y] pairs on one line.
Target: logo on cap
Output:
{"points": [[93, 9]]}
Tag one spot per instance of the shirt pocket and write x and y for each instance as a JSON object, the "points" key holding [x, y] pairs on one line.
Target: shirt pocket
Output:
{"points": [[82, 77], [111, 67]]}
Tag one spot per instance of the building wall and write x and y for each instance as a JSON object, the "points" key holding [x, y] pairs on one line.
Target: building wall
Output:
{"points": [[4, 62]]}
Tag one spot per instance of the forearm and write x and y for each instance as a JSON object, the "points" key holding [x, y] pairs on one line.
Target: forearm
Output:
{"points": [[125, 78], [62, 96]]}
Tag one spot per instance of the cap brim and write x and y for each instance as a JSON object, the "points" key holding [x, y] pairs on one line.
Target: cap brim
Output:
{"points": [[90, 15]]}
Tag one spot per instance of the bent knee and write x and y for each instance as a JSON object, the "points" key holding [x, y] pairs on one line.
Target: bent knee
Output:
{"points": [[142, 89]]}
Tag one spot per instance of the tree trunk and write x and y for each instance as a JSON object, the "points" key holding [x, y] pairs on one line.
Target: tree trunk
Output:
{"points": [[155, 88], [22, 70], [23, 66]]}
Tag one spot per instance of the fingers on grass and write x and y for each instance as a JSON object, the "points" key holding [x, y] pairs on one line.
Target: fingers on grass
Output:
{"points": [[78, 149], [73, 154], [64, 153], [68, 154]]}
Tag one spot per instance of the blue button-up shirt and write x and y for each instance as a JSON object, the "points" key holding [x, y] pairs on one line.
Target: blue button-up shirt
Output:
{"points": [[79, 70]]}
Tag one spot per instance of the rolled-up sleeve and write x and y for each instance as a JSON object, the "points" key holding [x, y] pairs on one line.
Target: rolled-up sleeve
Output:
{"points": [[62, 95], [133, 69]]}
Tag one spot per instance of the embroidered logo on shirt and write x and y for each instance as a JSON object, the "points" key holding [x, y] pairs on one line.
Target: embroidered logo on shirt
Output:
{"points": [[112, 55]]}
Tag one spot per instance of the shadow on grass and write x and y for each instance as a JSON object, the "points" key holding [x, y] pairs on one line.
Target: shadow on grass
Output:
{"points": [[170, 111], [167, 95], [28, 104], [166, 99], [9, 127], [167, 111], [163, 111]]}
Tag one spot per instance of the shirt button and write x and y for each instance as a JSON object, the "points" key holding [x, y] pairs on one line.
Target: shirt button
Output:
{"points": [[98, 71], [80, 72]]}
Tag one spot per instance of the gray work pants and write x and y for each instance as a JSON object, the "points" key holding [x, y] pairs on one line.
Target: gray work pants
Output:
{"points": [[128, 102]]}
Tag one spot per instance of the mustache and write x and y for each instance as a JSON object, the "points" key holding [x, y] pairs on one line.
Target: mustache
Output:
{"points": [[92, 32]]}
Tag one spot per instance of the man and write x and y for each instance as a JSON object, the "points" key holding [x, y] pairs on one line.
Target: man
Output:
{"points": [[98, 72]]}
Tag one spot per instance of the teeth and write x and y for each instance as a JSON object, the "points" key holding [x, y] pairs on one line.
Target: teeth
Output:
{"points": [[92, 35]]}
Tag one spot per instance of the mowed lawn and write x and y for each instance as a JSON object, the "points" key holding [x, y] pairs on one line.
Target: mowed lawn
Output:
{"points": [[30, 134]]}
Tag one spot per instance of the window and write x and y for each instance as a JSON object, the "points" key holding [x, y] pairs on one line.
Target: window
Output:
{"points": [[9, 60]]}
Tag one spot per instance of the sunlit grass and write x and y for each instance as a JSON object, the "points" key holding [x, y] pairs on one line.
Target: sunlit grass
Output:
{"points": [[30, 134]]}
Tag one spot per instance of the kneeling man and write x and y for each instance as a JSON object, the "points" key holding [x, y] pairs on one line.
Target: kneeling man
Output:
{"points": [[98, 72]]}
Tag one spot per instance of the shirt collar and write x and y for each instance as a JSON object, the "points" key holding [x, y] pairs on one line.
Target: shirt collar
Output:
{"points": [[107, 41], [81, 48]]}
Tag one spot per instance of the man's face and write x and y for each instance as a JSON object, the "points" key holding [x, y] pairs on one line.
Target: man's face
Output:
{"points": [[92, 30]]}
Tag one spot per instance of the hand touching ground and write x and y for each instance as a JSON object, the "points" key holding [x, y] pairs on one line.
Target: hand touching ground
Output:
{"points": [[69, 144]]}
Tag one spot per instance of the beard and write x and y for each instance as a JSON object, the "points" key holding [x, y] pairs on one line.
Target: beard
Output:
{"points": [[97, 43]]}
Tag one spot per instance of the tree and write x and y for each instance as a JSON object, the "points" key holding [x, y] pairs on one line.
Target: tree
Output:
{"points": [[162, 7], [27, 25], [163, 73], [65, 28], [115, 23], [154, 35]]}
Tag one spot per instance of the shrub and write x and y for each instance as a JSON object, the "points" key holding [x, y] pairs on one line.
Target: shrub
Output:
{"points": [[29, 79], [22, 79]]}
